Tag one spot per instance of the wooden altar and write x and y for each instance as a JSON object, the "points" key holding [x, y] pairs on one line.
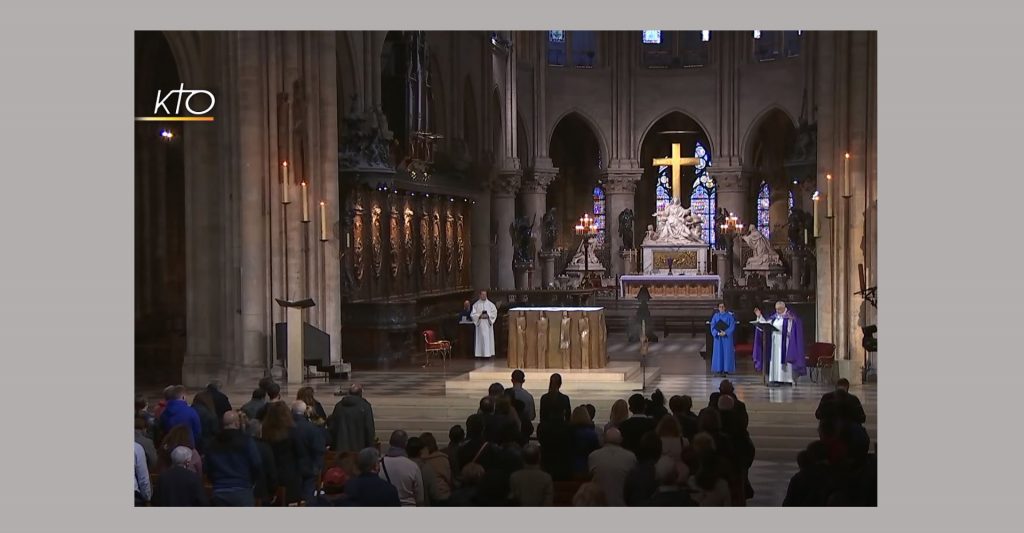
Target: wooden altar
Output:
{"points": [[557, 338]]}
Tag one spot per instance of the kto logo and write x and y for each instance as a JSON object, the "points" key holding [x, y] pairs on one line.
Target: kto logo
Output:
{"points": [[179, 98]]}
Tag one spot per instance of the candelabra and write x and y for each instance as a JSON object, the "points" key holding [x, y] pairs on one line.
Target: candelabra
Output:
{"points": [[586, 229]]}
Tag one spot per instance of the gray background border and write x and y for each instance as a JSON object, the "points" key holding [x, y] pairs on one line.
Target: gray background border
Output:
{"points": [[951, 106]]}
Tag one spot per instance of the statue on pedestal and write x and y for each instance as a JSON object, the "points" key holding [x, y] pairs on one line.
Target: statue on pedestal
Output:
{"points": [[549, 231], [521, 231], [626, 228], [764, 258]]}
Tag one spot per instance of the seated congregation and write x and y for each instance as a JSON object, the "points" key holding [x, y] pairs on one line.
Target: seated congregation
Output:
{"points": [[648, 452]]}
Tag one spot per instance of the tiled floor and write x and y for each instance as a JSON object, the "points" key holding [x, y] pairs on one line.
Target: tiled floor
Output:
{"points": [[781, 419]]}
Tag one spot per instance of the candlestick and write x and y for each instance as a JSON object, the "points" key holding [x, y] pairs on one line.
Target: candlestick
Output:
{"points": [[805, 236], [846, 176], [284, 184], [323, 221], [305, 202], [828, 197], [863, 278], [817, 225]]}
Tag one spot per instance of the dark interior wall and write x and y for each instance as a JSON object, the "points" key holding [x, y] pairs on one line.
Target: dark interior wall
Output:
{"points": [[160, 283], [575, 151]]}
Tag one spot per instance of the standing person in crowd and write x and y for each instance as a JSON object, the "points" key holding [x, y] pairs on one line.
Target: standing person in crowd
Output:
{"points": [[467, 494], [682, 409], [312, 439], [290, 455], [368, 489], [709, 483], [316, 414], [840, 405], [417, 450], [273, 396], [531, 486], [179, 486], [725, 388], [642, 481], [619, 413], [179, 437], [554, 433], [233, 465], [634, 427], [221, 403], [142, 438], [143, 489], [456, 435], [610, 465], [142, 411], [583, 442], [672, 441], [402, 472], [266, 481], [669, 492], [656, 406], [441, 465], [203, 405], [476, 449], [521, 394], [252, 407], [177, 411], [350, 427]]}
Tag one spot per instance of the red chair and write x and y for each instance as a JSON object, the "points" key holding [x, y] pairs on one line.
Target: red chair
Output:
{"points": [[433, 345], [821, 355]]}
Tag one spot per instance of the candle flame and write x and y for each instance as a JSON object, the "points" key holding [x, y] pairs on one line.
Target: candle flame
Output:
{"points": [[815, 196], [284, 163], [847, 155], [828, 176], [322, 203]]}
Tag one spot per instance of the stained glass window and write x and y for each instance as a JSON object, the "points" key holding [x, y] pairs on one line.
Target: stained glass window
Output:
{"points": [[599, 215], [556, 48], [663, 189], [767, 45], [652, 36], [764, 202], [793, 42], [584, 48], [790, 201], [704, 197]]}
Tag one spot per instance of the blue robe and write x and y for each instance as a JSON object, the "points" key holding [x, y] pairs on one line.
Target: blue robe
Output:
{"points": [[723, 354]]}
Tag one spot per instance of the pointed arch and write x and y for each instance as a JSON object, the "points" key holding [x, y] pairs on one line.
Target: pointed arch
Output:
{"points": [[750, 137], [602, 140], [710, 145]]}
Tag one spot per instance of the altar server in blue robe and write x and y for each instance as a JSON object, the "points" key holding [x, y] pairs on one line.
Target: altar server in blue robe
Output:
{"points": [[723, 355]]}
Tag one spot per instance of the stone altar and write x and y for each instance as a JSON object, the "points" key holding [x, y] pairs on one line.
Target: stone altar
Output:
{"points": [[557, 337]]}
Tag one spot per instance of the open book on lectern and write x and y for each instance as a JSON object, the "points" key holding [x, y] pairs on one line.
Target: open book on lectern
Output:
{"points": [[301, 304]]}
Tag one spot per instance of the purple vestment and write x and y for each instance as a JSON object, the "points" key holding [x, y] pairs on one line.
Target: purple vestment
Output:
{"points": [[792, 344]]}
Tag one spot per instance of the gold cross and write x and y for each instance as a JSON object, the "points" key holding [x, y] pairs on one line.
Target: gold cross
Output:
{"points": [[676, 163]]}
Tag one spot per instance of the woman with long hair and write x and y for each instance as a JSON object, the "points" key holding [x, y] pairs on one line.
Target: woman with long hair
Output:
{"points": [[280, 433], [179, 435], [315, 411], [618, 414], [553, 432], [204, 407]]}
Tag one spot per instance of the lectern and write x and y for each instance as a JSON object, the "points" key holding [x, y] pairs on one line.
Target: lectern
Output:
{"points": [[296, 339], [766, 329]]}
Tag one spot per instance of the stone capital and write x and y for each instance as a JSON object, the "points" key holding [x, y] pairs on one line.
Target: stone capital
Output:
{"points": [[538, 179], [621, 180], [506, 182]]}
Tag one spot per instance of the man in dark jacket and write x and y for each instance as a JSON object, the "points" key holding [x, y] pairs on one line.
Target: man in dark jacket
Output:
{"points": [[233, 465], [221, 404], [840, 405], [179, 486], [682, 409], [312, 439], [368, 489], [634, 427], [178, 411], [350, 427], [726, 388], [253, 406]]}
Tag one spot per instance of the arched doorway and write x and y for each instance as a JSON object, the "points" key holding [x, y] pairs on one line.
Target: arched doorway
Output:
{"points": [[576, 151], [768, 143]]}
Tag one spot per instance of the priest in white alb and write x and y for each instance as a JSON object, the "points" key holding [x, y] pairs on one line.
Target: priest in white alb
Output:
{"points": [[484, 315]]}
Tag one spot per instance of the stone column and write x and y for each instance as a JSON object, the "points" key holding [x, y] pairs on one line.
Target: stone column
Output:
{"points": [[503, 205], [724, 268], [733, 194], [619, 188], [534, 194], [778, 212]]}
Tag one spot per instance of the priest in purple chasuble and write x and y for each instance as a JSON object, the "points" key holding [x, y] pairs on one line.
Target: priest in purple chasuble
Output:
{"points": [[786, 359]]}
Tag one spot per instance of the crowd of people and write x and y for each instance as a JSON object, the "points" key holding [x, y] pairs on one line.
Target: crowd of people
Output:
{"points": [[513, 451]]}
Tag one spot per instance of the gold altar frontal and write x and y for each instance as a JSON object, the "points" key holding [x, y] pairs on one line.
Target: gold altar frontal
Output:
{"points": [[671, 287], [557, 337]]}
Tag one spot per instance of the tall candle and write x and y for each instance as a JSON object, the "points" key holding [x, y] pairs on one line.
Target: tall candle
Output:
{"points": [[305, 202], [817, 225], [828, 197], [284, 185], [846, 176], [323, 221], [805, 236], [863, 278]]}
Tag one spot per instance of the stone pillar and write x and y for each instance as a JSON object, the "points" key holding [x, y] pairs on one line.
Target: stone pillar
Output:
{"points": [[480, 239], [619, 187], [534, 194], [796, 269], [547, 268], [778, 212], [734, 195], [724, 268], [503, 205]]}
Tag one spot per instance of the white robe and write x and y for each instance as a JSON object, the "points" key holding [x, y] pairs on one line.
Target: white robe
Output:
{"points": [[778, 370], [485, 327]]}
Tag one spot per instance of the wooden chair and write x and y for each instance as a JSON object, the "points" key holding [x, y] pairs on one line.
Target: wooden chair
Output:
{"points": [[433, 345], [821, 355]]}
